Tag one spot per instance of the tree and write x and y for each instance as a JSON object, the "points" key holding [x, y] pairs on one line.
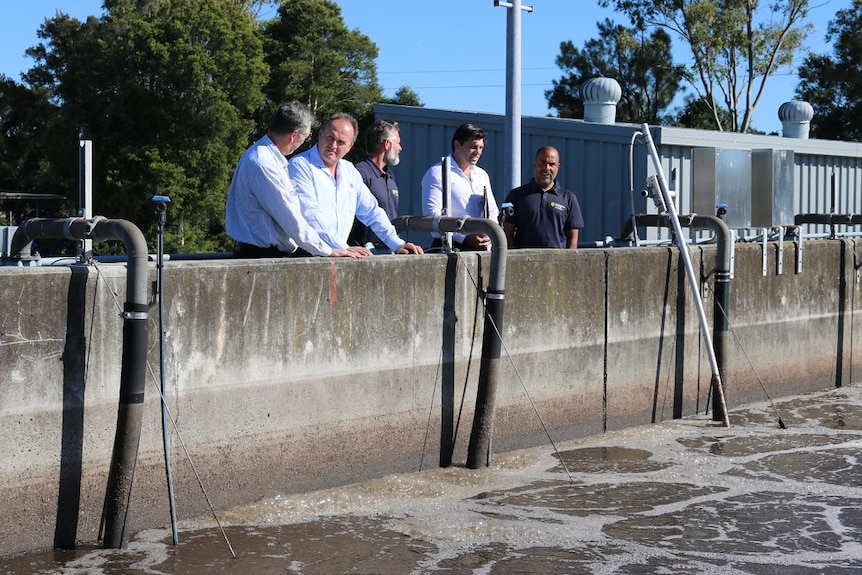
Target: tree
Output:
{"points": [[736, 46], [314, 58], [695, 113], [643, 68], [166, 90], [28, 132], [406, 96], [833, 85]]}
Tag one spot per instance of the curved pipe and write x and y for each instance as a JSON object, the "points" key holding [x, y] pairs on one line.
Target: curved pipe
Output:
{"points": [[132, 375], [723, 265], [723, 235], [479, 450]]}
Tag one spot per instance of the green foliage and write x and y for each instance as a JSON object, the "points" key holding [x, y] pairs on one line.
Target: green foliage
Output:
{"points": [[643, 67], [166, 90], [696, 114], [833, 84], [736, 46], [29, 131], [316, 59], [406, 96], [171, 92]]}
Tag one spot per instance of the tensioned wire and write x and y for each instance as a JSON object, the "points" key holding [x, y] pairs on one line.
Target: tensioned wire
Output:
{"points": [[514, 367], [155, 381]]}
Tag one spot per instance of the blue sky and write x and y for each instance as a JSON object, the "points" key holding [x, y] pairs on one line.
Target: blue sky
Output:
{"points": [[451, 52]]}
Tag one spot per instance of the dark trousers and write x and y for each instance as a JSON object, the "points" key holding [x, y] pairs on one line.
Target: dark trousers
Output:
{"points": [[247, 251], [437, 244]]}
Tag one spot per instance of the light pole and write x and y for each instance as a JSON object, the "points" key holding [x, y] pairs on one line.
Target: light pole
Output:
{"points": [[512, 167]]}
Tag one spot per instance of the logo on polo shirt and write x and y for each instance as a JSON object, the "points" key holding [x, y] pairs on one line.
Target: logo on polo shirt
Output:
{"points": [[394, 193], [559, 207]]}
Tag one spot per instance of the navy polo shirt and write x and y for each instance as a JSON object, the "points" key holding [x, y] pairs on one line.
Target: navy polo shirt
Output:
{"points": [[541, 218], [382, 185]]}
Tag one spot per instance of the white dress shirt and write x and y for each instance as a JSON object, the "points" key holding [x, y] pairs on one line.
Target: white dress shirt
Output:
{"points": [[262, 205], [329, 204], [470, 196]]}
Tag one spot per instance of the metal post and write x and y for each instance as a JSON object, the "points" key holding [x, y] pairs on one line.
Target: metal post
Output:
{"points": [[723, 275], [161, 204], [85, 195], [683, 251], [512, 165], [447, 199]]}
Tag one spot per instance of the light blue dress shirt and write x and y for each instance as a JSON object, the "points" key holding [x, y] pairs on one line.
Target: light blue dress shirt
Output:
{"points": [[329, 204], [263, 207]]}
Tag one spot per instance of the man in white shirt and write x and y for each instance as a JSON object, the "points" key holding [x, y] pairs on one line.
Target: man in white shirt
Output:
{"points": [[470, 186], [331, 191], [263, 212]]}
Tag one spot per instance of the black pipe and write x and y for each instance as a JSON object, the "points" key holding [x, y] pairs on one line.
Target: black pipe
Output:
{"points": [[827, 219], [724, 245], [132, 374], [479, 450]]}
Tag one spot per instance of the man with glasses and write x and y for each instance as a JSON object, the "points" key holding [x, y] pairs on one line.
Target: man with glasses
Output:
{"points": [[263, 212], [331, 191], [382, 151]]}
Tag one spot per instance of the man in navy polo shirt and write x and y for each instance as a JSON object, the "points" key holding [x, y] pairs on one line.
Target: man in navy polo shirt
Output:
{"points": [[383, 149], [546, 215]]}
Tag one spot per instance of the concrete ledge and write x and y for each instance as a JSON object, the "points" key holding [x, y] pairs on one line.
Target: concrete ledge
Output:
{"points": [[289, 375]]}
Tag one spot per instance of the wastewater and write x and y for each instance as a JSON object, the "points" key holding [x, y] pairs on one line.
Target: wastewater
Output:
{"points": [[777, 492]]}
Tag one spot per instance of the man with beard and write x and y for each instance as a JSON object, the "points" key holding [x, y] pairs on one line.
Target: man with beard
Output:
{"points": [[546, 215], [382, 151]]}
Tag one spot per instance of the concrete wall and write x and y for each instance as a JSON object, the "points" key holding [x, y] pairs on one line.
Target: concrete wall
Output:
{"points": [[290, 375]]}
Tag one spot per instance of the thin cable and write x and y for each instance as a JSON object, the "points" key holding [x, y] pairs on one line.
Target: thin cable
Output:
{"points": [[176, 430], [191, 463], [635, 136], [520, 379], [751, 364], [166, 445], [430, 412], [470, 356]]}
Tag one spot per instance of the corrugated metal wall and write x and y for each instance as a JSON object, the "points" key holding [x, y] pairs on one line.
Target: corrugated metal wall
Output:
{"points": [[602, 163]]}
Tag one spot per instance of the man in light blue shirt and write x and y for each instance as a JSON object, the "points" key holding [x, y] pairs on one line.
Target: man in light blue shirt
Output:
{"points": [[263, 213], [331, 191]]}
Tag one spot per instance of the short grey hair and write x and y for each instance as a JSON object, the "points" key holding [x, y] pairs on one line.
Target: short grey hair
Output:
{"points": [[292, 116], [379, 132]]}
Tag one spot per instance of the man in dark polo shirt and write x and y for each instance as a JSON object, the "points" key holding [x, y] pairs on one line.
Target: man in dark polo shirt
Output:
{"points": [[383, 149], [546, 215]]}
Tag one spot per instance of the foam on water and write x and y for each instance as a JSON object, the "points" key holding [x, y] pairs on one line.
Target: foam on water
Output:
{"points": [[684, 496]]}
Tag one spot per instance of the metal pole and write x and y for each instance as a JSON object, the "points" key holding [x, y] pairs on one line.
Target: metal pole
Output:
{"points": [[693, 283], [447, 200], [512, 166], [723, 273], [161, 203], [85, 195], [512, 172]]}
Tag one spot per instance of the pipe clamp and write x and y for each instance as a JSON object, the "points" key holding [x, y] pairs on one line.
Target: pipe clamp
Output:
{"points": [[135, 315]]}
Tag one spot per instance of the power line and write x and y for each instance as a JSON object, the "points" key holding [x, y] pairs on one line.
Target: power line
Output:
{"points": [[463, 71], [475, 86]]}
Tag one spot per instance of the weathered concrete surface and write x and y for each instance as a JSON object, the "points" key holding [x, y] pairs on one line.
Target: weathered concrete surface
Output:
{"points": [[290, 375]]}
